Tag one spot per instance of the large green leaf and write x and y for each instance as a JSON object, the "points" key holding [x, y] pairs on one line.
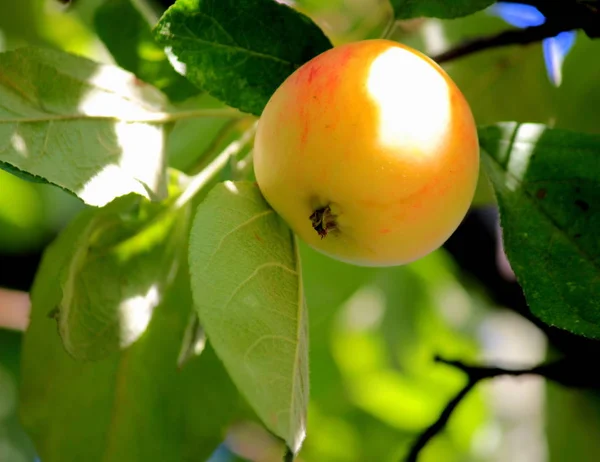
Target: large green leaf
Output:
{"points": [[240, 51], [247, 289], [128, 35], [120, 260], [86, 127], [134, 406], [548, 187], [406, 9]]}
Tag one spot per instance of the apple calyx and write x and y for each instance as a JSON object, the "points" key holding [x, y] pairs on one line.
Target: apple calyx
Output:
{"points": [[323, 221]]}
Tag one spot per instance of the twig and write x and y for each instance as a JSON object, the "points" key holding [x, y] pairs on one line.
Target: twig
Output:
{"points": [[203, 178], [563, 371], [561, 16], [440, 423], [508, 37], [389, 29], [223, 134]]}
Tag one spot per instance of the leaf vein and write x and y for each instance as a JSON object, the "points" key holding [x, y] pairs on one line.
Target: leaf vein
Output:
{"points": [[233, 231], [239, 49]]}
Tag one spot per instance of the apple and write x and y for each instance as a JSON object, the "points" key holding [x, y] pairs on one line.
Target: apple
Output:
{"points": [[369, 152]]}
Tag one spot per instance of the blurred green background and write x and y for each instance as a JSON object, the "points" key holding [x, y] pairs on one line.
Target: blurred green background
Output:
{"points": [[373, 332]]}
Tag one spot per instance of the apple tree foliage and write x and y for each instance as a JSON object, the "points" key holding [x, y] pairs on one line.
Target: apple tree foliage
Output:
{"points": [[174, 305]]}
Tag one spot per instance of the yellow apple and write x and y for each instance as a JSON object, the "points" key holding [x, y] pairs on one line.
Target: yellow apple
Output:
{"points": [[369, 152]]}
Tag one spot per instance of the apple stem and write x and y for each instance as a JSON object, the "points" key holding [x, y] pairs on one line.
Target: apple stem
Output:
{"points": [[323, 221]]}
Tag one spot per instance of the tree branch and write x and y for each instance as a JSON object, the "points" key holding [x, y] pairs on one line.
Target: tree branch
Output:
{"points": [[561, 16], [567, 371], [440, 423], [508, 37]]}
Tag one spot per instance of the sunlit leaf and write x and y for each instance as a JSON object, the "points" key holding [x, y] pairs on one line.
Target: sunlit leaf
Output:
{"points": [[134, 406], [406, 9], [118, 261], [240, 51], [247, 289], [128, 35], [194, 341], [83, 126], [548, 187]]}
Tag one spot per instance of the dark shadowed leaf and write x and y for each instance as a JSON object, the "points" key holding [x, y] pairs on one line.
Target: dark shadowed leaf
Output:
{"points": [[136, 405], [128, 36], [548, 189], [240, 51], [247, 289], [406, 9]]}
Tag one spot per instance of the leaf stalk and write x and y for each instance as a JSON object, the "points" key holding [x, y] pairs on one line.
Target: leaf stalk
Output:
{"points": [[199, 181]]}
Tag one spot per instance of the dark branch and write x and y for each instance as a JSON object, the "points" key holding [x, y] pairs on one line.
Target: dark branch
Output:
{"points": [[440, 423], [508, 37], [561, 16], [567, 371]]}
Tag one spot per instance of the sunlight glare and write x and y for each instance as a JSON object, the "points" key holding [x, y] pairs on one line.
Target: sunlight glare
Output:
{"points": [[115, 92], [108, 183], [434, 36], [399, 80], [135, 314], [520, 155], [231, 187], [179, 66], [365, 309], [299, 437], [143, 152], [19, 145], [506, 133]]}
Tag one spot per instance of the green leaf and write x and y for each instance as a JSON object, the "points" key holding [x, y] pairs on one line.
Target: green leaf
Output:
{"points": [[134, 406], [406, 9], [240, 51], [548, 187], [128, 36], [120, 260], [247, 289], [23, 20], [15, 445], [89, 128], [190, 142]]}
